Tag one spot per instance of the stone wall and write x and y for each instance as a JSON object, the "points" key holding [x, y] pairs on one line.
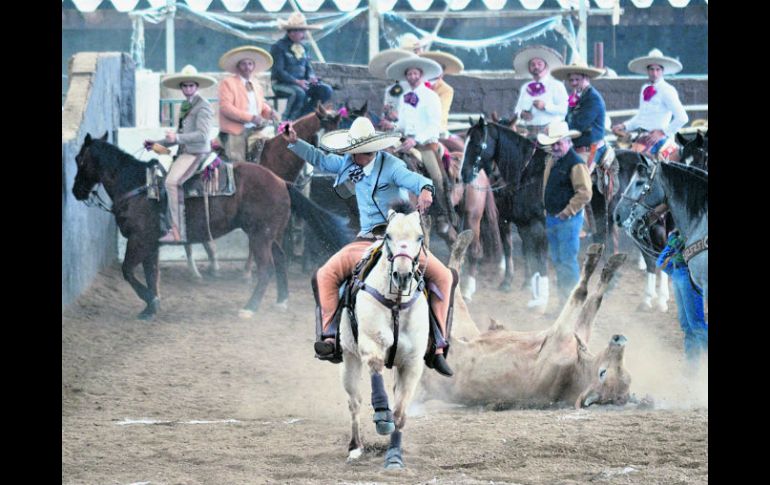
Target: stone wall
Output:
{"points": [[100, 98]]}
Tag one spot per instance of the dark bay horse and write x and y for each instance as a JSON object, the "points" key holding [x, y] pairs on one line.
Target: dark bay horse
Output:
{"points": [[281, 161], [260, 207], [694, 150], [684, 189], [520, 200]]}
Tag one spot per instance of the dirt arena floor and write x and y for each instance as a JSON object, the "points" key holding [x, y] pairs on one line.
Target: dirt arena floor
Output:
{"points": [[199, 396]]}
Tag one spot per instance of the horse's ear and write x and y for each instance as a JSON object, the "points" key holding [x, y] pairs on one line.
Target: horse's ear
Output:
{"points": [[680, 139], [104, 137], [365, 107], [391, 214], [699, 138], [87, 141]]}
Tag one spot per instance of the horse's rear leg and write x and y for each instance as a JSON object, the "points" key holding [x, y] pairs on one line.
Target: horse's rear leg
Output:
{"points": [[260, 246], [351, 378], [474, 210], [534, 246], [211, 251], [191, 262], [507, 238], [650, 292], [136, 253], [281, 276]]}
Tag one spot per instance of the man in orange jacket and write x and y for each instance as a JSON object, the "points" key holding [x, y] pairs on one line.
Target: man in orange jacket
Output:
{"points": [[243, 111]]}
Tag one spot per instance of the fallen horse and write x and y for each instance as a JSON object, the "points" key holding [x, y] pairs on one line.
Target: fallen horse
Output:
{"points": [[542, 368]]}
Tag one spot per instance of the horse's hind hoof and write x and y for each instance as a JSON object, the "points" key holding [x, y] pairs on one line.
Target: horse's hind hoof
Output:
{"points": [[393, 459], [245, 314], [149, 312], [281, 305], [146, 316]]}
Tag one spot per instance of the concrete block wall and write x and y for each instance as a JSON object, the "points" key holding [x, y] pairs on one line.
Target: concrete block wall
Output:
{"points": [[100, 99]]}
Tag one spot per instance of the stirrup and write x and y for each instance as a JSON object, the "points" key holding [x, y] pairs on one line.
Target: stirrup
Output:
{"points": [[327, 350]]}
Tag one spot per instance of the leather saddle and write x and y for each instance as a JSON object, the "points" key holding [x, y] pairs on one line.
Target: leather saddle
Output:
{"points": [[214, 177]]}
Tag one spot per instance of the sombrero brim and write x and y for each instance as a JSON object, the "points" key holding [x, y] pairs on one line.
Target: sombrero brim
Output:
{"points": [[522, 58], [544, 139], [382, 60], [172, 81], [230, 59], [430, 68], [452, 64], [639, 65], [563, 72], [338, 141], [284, 26]]}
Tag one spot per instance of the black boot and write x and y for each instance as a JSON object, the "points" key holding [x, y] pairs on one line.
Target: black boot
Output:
{"points": [[439, 364], [325, 350]]}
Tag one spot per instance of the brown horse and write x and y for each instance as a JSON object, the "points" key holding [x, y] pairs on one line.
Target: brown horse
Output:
{"points": [[260, 207], [282, 162]]}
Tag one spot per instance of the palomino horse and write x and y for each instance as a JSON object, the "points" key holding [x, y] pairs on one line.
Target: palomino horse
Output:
{"points": [[282, 162], [260, 207], [392, 316], [520, 201], [684, 189]]}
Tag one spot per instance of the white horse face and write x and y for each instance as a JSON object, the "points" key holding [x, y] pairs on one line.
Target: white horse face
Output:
{"points": [[403, 241]]}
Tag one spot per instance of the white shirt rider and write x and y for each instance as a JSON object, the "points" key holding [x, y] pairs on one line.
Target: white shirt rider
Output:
{"points": [[544, 105]]}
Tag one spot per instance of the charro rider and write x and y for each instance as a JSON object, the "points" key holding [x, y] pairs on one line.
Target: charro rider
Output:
{"points": [[419, 119], [378, 179], [195, 121], [661, 114], [242, 108], [451, 65], [543, 99]]}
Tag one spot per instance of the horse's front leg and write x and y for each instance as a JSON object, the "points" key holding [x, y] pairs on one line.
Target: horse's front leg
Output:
{"points": [[211, 251], [407, 377], [474, 210], [191, 262], [507, 238], [351, 377], [260, 246], [137, 251]]}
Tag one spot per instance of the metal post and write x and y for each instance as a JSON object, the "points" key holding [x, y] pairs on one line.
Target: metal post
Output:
{"points": [[582, 33], [171, 5], [374, 29]]}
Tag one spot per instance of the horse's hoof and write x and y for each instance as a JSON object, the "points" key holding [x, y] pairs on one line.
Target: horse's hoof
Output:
{"points": [[644, 307], [662, 307], [146, 316], [245, 314], [393, 459], [282, 305], [355, 454], [383, 421], [468, 297], [504, 286]]}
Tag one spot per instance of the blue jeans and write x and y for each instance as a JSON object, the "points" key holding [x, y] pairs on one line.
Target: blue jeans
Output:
{"points": [[301, 102], [690, 309], [563, 245]]}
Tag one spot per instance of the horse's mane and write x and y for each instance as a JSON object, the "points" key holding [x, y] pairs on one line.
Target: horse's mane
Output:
{"points": [[130, 171], [513, 148], [402, 206], [687, 186]]}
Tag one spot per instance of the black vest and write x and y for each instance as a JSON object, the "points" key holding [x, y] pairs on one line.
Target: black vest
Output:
{"points": [[558, 188]]}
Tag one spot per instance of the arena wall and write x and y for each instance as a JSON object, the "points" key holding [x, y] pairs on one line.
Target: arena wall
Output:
{"points": [[100, 99]]}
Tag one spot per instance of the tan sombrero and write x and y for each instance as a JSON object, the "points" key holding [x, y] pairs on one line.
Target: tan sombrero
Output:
{"points": [[556, 130], [522, 58], [189, 74], [430, 68], [360, 138], [230, 59], [296, 21], [669, 64], [578, 67], [410, 42], [383, 59], [451, 63]]}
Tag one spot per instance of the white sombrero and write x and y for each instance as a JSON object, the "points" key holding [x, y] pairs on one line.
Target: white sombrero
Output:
{"points": [[522, 58], [296, 21], [360, 138], [556, 131], [189, 74], [230, 59], [451, 63], [578, 67], [410, 42], [383, 59], [430, 68], [669, 64]]}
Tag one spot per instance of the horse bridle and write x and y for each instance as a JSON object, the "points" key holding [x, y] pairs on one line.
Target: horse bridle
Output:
{"points": [[95, 200], [415, 263], [479, 158], [638, 227]]}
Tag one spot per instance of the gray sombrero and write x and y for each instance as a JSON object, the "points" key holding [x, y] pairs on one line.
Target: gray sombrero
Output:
{"points": [[578, 67], [189, 74], [451, 63], [383, 59], [296, 21], [360, 138], [230, 59], [522, 58], [430, 68], [669, 64]]}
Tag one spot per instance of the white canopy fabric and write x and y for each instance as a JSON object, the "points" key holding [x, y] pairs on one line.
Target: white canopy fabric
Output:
{"points": [[350, 5]]}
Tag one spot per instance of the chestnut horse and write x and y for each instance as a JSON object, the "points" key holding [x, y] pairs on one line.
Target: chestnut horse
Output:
{"points": [[282, 162], [260, 207]]}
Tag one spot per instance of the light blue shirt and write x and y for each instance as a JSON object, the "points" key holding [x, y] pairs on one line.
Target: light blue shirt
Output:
{"points": [[388, 180]]}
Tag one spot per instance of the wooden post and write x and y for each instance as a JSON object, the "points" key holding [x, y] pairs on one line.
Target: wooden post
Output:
{"points": [[374, 29], [582, 33], [170, 61]]}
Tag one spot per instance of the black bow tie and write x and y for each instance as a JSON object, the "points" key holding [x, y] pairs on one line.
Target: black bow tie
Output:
{"points": [[356, 174]]}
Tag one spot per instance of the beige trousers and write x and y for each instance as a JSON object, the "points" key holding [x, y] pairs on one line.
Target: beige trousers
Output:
{"points": [[181, 170], [341, 265], [429, 153]]}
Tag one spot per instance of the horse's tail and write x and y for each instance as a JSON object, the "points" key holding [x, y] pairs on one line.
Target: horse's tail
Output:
{"points": [[331, 230]]}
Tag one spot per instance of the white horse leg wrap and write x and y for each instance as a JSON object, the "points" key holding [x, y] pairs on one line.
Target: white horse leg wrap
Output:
{"points": [[469, 289]]}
